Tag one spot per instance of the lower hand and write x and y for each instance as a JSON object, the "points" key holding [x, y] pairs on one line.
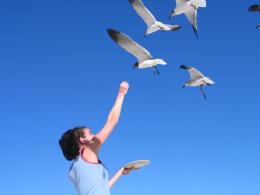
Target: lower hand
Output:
{"points": [[123, 88], [126, 171]]}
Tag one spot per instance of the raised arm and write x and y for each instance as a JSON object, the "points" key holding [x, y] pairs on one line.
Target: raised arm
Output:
{"points": [[114, 114]]}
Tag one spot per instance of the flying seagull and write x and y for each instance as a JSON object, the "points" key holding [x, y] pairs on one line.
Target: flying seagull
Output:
{"points": [[190, 9], [197, 79], [149, 19], [145, 59], [255, 8]]}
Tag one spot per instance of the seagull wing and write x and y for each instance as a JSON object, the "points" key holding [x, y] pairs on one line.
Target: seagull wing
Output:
{"points": [[173, 27], [254, 8], [194, 73], [142, 11], [199, 3], [180, 2], [191, 15], [129, 45], [258, 26]]}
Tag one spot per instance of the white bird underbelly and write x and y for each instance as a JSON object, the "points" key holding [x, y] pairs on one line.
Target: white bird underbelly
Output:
{"points": [[157, 26], [153, 28], [202, 81], [146, 64], [151, 63], [197, 83]]}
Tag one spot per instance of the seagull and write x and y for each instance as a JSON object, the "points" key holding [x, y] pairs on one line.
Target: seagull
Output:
{"points": [[255, 8], [190, 9], [145, 59], [197, 79], [149, 19]]}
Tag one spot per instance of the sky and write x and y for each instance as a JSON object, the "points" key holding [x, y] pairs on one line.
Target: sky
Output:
{"points": [[59, 69]]}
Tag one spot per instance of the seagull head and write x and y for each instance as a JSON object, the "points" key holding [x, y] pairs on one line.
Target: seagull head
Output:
{"points": [[135, 65], [186, 84], [160, 61], [208, 81], [172, 14]]}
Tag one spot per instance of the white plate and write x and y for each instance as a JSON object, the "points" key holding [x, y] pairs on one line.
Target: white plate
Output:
{"points": [[137, 164]]}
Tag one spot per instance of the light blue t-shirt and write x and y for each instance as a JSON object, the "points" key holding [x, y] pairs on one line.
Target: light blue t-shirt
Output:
{"points": [[89, 178]]}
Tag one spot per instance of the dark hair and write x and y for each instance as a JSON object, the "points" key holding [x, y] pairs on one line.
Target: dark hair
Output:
{"points": [[69, 142]]}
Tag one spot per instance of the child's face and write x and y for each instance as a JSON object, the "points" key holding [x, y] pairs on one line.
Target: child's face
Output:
{"points": [[88, 135]]}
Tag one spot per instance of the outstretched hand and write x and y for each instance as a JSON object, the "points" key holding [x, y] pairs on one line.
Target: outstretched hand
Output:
{"points": [[123, 88], [126, 171]]}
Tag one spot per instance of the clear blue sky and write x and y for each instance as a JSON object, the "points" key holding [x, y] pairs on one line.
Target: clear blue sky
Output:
{"points": [[59, 69]]}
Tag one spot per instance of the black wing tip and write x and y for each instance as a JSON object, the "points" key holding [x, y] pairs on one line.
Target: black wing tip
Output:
{"points": [[184, 67], [176, 27], [113, 33]]}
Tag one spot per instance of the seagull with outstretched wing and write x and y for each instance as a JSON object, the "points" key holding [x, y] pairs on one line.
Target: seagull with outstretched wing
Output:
{"points": [[255, 8], [197, 79], [149, 19], [145, 59], [190, 9]]}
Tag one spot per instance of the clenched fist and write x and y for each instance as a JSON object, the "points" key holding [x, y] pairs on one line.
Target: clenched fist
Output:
{"points": [[123, 88]]}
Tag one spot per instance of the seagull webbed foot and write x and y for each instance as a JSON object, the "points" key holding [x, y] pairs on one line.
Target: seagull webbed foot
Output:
{"points": [[156, 71], [202, 91]]}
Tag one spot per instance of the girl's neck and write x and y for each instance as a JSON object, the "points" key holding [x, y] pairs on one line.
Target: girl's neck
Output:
{"points": [[89, 155]]}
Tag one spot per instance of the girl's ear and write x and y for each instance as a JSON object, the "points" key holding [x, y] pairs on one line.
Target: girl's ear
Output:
{"points": [[82, 140]]}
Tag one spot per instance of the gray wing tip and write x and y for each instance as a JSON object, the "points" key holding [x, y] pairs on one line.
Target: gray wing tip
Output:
{"points": [[254, 8]]}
